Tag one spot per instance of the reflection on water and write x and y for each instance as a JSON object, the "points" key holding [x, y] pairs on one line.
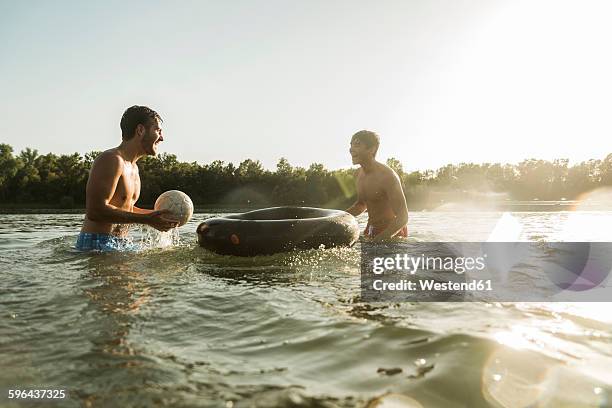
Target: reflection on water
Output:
{"points": [[175, 325]]}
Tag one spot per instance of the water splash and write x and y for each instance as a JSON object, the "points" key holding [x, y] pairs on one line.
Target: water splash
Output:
{"points": [[151, 238]]}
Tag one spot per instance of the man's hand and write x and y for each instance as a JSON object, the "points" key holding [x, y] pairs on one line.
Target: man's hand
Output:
{"points": [[157, 220]]}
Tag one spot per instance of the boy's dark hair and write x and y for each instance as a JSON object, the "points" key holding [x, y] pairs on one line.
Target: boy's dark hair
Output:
{"points": [[134, 116], [368, 138]]}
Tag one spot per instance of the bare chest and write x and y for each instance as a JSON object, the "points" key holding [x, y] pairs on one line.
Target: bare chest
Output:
{"points": [[371, 189], [128, 187]]}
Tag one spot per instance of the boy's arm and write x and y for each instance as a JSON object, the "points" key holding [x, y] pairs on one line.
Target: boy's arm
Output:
{"points": [[138, 210], [358, 206]]}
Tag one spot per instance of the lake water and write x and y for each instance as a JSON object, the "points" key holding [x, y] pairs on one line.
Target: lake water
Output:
{"points": [[175, 325]]}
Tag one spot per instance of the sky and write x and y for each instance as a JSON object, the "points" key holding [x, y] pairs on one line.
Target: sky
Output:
{"points": [[440, 81]]}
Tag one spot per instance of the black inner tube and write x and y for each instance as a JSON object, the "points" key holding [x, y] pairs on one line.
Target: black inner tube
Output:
{"points": [[278, 229], [285, 214]]}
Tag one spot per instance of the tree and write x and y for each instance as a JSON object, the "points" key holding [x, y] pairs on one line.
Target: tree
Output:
{"points": [[8, 168], [61, 179], [396, 166]]}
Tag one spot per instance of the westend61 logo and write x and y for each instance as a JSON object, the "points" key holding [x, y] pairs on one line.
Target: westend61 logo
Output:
{"points": [[486, 271]]}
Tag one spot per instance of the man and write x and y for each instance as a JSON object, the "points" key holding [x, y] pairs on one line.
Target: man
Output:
{"points": [[113, 186], [378, 191]]}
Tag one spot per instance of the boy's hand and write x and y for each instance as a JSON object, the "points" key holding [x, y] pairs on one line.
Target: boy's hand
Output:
{"points": [[157, 220]]}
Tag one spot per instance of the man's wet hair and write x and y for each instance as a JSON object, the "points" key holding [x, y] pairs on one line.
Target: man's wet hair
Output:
{"points": [[134, 116], [368, 138]]}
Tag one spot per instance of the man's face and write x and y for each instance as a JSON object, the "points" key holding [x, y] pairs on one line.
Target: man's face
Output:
{"points": [[152, 138], [360, 152]]}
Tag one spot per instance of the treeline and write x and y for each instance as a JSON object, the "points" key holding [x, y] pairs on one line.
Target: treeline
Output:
{"points": [[59, 181]]}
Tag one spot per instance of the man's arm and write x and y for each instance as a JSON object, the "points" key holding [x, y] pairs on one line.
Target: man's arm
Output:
{"points": [[138, 210], [397, 200], [358, 206], [101, 186]]}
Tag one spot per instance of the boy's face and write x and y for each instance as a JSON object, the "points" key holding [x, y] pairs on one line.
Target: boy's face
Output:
{"points": [[360, 152], [152, 138]]}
